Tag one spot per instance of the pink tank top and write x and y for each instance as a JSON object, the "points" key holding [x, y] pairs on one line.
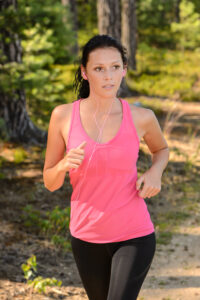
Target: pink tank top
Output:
{"points": [[107, 207]]}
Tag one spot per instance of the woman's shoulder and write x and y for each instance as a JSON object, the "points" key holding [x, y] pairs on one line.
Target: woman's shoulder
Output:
{"points": [[142, 114], [61, 115], [60, 118], [62, 110], [142, 118]]}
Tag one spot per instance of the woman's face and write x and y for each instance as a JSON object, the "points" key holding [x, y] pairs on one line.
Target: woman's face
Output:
{"points": [[104, 71]]}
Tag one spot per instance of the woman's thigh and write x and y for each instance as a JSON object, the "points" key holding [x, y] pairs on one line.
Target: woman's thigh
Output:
{"points": [[130, 264], [94, 264]]}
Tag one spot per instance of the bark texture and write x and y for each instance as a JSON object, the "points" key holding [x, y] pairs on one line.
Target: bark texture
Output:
{"points": [[109, 17], [129, 30], [109, 22], [13, 111]]}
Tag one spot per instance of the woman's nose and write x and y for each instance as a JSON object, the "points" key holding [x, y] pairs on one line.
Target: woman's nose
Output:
{"points": [[107, 74]]}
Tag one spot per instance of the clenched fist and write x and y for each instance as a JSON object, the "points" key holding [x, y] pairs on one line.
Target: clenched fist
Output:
{"points": [[74, 157]]}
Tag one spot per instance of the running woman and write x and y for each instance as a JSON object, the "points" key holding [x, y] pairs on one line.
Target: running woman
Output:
{"points": [[96, 140]]}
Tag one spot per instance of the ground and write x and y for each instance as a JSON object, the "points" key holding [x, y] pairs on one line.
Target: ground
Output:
{"points": [[175, 271]]}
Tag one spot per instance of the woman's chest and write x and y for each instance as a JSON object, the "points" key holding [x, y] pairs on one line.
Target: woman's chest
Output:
{"points": [[101, 130]]}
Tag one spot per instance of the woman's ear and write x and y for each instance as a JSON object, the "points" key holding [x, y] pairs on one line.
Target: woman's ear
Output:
{"points": [[124, 71], [83, 73]]}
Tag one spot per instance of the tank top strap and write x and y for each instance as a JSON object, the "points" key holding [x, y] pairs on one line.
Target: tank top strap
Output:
{"points": [[74, 120], [128, 120], [76, 110]]}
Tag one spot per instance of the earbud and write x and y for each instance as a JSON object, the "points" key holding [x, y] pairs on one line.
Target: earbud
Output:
{"points": [[84, 76]]}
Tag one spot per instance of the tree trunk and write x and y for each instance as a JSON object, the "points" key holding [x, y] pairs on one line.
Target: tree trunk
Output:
{"points": [[74, 21], [129, 31], [177, 11], [109, 22], [19, 126], [109, 18]]}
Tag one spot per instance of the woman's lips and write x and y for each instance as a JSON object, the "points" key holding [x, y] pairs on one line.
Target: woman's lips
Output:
{"points": [[108, 87]]}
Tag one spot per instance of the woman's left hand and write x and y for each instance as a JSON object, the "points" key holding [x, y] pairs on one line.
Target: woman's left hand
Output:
{"points": [[152, 183]]}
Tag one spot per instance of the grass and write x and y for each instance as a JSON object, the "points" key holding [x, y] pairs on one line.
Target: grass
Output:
{"points": [[53, 224], [164, 237], [183, 202], [167, 223]]}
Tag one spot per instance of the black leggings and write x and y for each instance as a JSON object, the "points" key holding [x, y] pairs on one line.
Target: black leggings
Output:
{"points": [[114, 271]]}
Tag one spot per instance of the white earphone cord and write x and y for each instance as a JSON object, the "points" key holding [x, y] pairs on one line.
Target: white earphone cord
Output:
{"points": [[98, 139]]}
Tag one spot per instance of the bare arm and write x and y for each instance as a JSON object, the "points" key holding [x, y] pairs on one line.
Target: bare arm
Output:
{"points": [[156, 143], [158, 147], [56, 164], [53, 172]]}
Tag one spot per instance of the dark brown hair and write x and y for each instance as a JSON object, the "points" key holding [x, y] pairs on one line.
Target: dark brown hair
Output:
{"points": [[81, 85]]}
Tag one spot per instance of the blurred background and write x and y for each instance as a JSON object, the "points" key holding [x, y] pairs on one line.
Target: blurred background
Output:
{"points": [[40, 48]]}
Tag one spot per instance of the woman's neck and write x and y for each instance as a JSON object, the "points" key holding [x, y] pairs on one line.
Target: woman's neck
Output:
{"points": [[101, 105]]}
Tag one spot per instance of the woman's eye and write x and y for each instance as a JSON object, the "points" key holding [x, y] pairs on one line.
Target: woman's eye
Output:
{"points": [[116, 66]]}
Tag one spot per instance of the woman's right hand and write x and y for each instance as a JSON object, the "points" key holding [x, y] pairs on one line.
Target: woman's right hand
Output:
{"points": [[74, 157]]}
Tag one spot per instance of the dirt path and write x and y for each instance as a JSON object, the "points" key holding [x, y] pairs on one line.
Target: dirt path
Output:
{"points": [[174, 275], [175, 272]]}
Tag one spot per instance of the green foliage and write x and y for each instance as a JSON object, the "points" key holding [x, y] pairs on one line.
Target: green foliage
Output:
{"points": [[61, 242], [50, 16], [11, 76], [167, 223], [54, 224], [40, 79], [44, 45], [176, 216], [58, 219], [187, 32], [31, 216], [152, 12], [2, 175], [84, 36], [87, 14], [2, 160], [45, 39], [190, 158], [30, 268], [19, 155], [165, 73], [37, 282], [164, 237], [154, 18], [3, 132], [66, 77], [40, 283]]}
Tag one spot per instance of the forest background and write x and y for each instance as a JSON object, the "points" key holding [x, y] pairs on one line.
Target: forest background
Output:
{"points": [[40, 47]]}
